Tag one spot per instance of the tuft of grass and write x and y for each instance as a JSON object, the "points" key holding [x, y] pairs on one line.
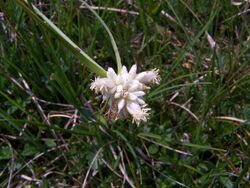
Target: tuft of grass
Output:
{"points": [[53, 131]]}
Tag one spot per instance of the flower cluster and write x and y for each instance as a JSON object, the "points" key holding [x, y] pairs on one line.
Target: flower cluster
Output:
{"points": [[124, 92]]}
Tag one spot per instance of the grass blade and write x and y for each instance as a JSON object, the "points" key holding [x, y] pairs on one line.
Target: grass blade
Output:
{"points": [[38, 16], [117, 55]]}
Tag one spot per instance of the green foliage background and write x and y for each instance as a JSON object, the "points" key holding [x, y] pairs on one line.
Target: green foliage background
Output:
{"points": [[53, 131]]}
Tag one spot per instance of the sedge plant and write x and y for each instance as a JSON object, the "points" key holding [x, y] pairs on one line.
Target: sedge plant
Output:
{"points": [[123, 90]]}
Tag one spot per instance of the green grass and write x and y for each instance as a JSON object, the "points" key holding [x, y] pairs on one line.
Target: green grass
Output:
{"points": [[53, 131]]}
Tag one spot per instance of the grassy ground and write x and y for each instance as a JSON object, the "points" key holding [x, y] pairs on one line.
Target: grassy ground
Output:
{"points": [[53, 132]]}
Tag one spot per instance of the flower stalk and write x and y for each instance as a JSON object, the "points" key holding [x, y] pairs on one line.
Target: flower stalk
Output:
{"points": [[39, 17], [117, 55]]}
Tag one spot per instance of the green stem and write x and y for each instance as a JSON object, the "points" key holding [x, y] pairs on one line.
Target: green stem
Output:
{"points": [[38, 16], [117, 55]]}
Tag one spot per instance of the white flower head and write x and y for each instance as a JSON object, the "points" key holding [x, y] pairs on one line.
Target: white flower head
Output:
{"points": [[124, 92]]}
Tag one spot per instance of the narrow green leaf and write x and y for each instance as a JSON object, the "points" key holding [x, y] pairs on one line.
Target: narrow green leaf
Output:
{"points": [[157, 92], [50, 143], [117, 55], [150, 135], [38, 16], [182, 54], [44, 183], [204, 147], [29, 150], [50, 127], [226, 182]]}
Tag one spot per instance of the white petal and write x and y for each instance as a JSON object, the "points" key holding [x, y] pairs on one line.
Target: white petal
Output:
{"points": [[111, 74], [134, 86], [119, 88], [138, 93], [148, 77], [132, 71], [140, 101], [124, 78], [98, 85], [118, 80], [121, 104], [109, 83], [133, 108], [140, 76], [139, 114], [124, 70], [118, 95], [132, 97]]}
